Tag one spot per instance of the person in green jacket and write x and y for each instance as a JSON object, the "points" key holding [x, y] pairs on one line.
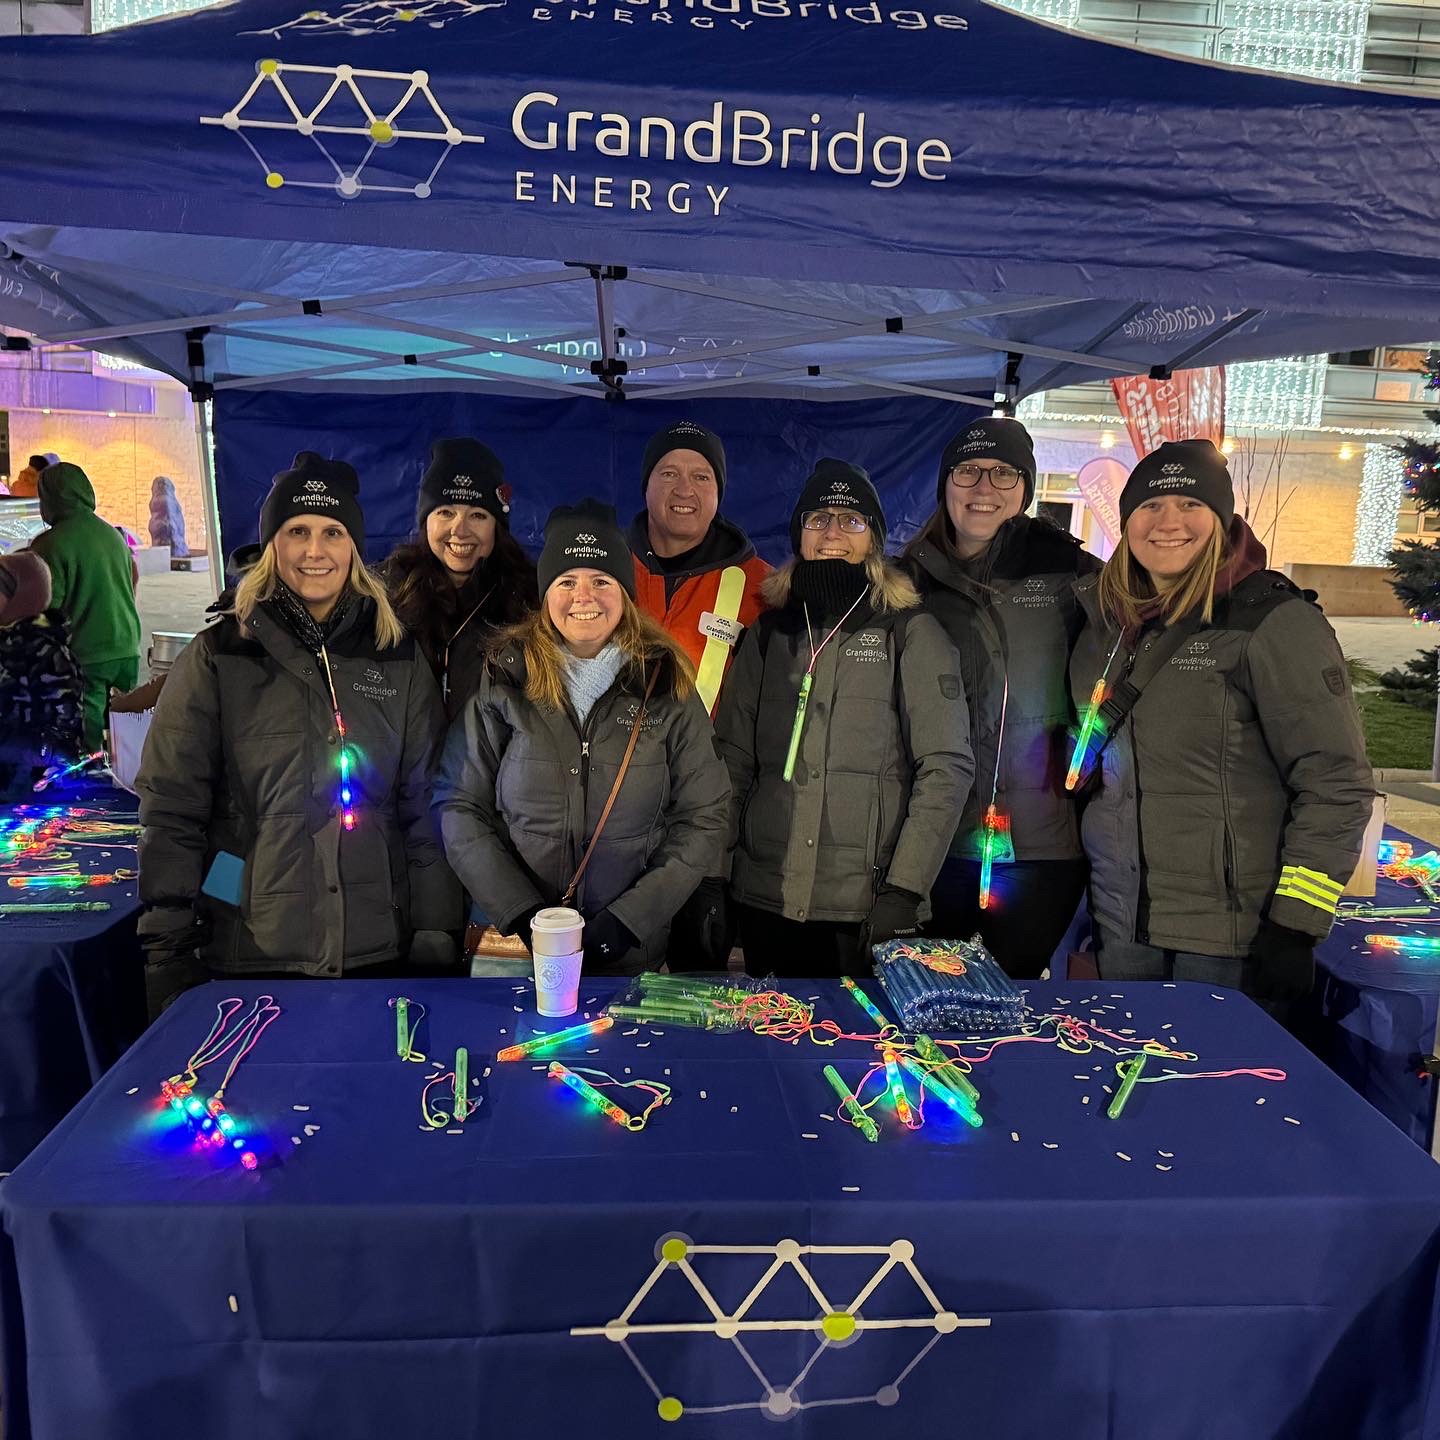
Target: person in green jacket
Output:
{"points": [[91, 586]]}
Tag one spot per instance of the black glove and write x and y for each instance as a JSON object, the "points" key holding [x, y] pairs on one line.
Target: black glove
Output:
{"points": [[1282, 963], [703, 930], [606, 941], [168, 975], [432, 952], [896, 912]]}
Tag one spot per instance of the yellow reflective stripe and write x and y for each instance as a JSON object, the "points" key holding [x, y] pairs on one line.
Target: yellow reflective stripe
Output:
{"points": [[716, 655], [1317, 878], [1289, 891], [1306, 888]]}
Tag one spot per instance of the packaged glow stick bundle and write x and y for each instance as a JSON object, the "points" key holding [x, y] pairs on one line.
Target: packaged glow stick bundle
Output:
{"points": [[948, 985]]}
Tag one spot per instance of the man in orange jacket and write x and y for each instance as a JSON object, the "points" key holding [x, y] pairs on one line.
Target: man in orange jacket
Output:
{"points": [[684, 552], [699, 576]]}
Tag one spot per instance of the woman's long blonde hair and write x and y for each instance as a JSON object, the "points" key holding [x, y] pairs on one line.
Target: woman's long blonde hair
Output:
{"points": [[1127, 593], [639, 637], [259, 581]]}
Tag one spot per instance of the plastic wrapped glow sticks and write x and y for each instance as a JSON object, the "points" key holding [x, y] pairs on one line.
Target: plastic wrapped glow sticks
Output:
{"points": [[55, 907], [560, 1037]]}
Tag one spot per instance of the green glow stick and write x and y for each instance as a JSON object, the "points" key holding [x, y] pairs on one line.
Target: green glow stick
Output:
{"points": [[402, 1028], [944, 1069], [1127, 1084], [462, 1083], [853, 1108], [953, 1098], [865, 1003], [700, 1017], [802, 700], [55, 908]]}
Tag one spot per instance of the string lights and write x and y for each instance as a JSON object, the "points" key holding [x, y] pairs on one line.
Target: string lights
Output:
{"points": [[1377, 506]]}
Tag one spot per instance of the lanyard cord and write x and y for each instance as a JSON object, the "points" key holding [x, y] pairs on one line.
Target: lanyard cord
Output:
{"points": [[445, 654], [1000, 741], [803, 699], [347, 809]]}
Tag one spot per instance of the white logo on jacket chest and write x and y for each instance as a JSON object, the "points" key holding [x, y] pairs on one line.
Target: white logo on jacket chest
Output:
{"points": [[1033, 595], [868, 648], [1195, 656], [373, 686]]}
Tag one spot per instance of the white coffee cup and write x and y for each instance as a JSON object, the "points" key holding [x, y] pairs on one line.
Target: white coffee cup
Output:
{"points": [[556, 930], [557, 983]]}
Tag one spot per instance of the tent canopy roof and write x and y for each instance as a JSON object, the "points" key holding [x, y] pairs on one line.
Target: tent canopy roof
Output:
{"points": [[754, 197]]}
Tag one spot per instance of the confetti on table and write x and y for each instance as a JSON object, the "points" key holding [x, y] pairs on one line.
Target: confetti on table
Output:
{"points": [[1291, 1120], [539, 1067], [454, 1132], [301, 1108], [653, 1031], [667, 1069], [1168, 984], [486, 1071], [1015, 1136], [1214, 996], [1048, 1145], [1079, 1077], [1084, 1099], [703, 1095], [234, 1305], [134, 1091], [1129, 1016], [851, 1189], [734, 1109], [518, 1009], [1107, 1089], [595, 1051], [635, 1031], [823, 1116], [294, 1139], [1097, 1067], [503, 1031], [1164, 1167], [807, 1135], [1166, 1154], [311, 1129], [642, 1044], [1120, 1154], [627, 1070], [1261, 1100]]}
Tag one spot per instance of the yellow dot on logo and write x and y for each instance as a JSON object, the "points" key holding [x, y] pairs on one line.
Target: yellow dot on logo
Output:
{"points": [[381, 132], [274, 179], [674, 1250], [838, 1326], [269, 67], [670, 1408]]}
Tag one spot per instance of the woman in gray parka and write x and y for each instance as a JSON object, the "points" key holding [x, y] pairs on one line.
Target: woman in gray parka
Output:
{"points": [[261, 854], [844, 725], [1230, 788], [533, 756]]}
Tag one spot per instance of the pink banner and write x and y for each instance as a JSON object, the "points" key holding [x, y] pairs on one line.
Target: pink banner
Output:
{"points": [[1100, 481], [1190, 405]]}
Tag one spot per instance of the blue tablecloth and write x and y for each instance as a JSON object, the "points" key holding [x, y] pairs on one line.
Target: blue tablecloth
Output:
{"points": [[1201, 1267], [1378, 1009], [72, 991]]}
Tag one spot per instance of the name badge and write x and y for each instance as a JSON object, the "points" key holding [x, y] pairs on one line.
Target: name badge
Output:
{"points": [[728, 632]]}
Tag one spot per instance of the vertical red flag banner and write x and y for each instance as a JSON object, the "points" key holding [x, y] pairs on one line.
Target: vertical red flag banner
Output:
{"points": [[1190, 405], [1100, 481]]}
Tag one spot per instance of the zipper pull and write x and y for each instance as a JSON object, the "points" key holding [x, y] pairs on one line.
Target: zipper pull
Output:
{"points": [[584, 749]]}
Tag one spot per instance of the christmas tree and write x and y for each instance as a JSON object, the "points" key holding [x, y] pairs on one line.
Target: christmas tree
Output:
{"points": [[1416, 563]]}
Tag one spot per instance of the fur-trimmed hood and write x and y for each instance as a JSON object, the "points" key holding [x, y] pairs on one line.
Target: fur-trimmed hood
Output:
{"points": [[893, 591]]}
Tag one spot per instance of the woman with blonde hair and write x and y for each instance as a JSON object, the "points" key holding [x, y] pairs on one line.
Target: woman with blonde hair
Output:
{"points": [[1227, 770], [532, 760], [844, 726], [284, 785]]}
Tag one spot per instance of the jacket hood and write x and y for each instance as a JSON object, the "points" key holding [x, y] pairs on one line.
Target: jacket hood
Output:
{"points": [[64, 490], [724, 544], [896, 590], [1247, 556]]}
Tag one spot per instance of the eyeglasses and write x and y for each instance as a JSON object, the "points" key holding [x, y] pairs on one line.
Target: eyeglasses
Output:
{"points": [[1002, 477], [849, 521]]}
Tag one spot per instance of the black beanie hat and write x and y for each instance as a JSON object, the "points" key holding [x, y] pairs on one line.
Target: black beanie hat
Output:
{"points": [[992, 437], [585, 537], [838, 485], [314, 485], [463, 472], [685, 435], [1181, 467]]}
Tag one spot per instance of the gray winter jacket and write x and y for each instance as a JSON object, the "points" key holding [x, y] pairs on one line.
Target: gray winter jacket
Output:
{"points": [[884, 765], [1017, 624], [520, 790], [1238, 788], [243, 756]]}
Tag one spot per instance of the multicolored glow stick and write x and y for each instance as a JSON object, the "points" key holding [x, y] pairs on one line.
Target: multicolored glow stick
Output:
{"points": [[1087, 728], [462, 1106], [897, 1092], [858, 1118], [587, 1091], [1391, 852], [55, 908], [347, 808], [45, 781], [1130, 1073], [996, 825], [953, 1098], [60, 880], [943, 1068], [1406, 944], [560, 1037], [867, 1004]]}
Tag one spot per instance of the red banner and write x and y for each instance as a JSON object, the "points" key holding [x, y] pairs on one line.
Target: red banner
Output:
{"points": [[1190, 405]]}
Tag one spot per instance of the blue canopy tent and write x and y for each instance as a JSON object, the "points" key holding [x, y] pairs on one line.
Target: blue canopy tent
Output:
{"points": [[492, 215]]}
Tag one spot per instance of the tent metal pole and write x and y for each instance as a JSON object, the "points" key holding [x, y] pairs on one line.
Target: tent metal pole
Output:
{"points": [[204, 439], [1099, 338], [1234, 323]]}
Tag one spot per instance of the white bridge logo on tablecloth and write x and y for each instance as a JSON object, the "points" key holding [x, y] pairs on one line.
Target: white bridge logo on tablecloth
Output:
{"points": [[836, 1323]]}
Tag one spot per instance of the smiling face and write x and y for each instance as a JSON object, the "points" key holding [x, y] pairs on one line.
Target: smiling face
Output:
{"points": [[681, 498], [1168, 534], [460, 537], [313, 554], [978, 510], [585, 606], [834, 541]]}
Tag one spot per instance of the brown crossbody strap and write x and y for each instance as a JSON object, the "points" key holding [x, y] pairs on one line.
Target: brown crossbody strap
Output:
{"points": [[574, 884]]}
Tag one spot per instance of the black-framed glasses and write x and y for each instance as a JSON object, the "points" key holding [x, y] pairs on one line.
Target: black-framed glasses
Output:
{"points": [[847, 520], [1002, 477]]}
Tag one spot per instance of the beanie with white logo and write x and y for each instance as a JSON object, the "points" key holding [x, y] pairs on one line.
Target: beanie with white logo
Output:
{"points": [[585, 537], [839, 485], [685, 435], [463, 471], [1193, 468], [991, 437], [314, 485]]}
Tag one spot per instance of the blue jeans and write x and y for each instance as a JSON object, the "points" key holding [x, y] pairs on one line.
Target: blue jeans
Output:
{"points": [[1127, 960]]}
